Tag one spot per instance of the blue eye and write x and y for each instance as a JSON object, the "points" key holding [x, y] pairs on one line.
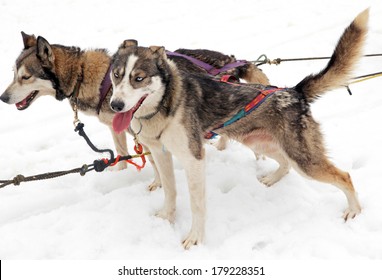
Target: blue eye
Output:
{"points": [[139, 79]]}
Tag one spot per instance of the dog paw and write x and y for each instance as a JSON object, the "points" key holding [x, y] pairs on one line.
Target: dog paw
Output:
{"points": [[351, 213], [221, 144], [118, 167], [193, 238], [166, 215], [260, 156], [154, 185], [269, 180]]}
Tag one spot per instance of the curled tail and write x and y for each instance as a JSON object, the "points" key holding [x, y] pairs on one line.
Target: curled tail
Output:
{"points": [[344, 58]]}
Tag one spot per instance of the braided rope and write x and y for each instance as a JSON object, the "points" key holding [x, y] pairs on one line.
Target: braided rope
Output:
{"points": [[97, 165]]}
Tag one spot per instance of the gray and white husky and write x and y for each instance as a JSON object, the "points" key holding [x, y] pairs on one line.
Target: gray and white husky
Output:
{"points": [[172, 111]]}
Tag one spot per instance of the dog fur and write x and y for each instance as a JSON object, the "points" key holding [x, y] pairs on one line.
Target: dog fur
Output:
{"points": [[56, 70], [172, 110]]}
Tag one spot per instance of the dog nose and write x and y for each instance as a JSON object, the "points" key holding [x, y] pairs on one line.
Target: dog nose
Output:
{"points": [[4, 97], [117, 105]]}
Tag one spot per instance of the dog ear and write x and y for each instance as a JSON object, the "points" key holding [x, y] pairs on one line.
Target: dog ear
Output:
{"points": [[129, 43], [160, 51], [29, 40], [160, 54], [45, 53]]}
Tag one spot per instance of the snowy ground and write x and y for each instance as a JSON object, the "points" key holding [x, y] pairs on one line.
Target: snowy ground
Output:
{"points": [[111, 215]]}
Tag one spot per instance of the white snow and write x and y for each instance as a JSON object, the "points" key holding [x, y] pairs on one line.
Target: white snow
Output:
{"points": [[110, 215]]}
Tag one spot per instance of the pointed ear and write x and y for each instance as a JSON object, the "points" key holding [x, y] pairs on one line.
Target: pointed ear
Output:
{"points": [[29, 40], [160, 51], [129, 43], [45, 53]]}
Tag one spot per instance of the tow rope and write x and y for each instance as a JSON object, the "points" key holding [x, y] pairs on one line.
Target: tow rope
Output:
{"points": [[263, 59], [97, 165]]}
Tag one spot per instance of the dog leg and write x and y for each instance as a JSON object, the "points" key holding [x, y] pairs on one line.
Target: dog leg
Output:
{"points": [[156, 183], [195, 171], [221, 144], [262, 143], [283, 169], [121, 148], [163, 160], [325, 171]]}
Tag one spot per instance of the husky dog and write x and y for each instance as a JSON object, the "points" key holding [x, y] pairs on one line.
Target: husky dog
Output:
{"points": [[78, 75], [172, 111]]}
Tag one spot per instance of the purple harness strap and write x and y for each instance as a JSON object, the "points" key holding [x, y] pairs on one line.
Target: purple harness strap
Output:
{"points": [[104, 89], [209, 68], [228, 66]]}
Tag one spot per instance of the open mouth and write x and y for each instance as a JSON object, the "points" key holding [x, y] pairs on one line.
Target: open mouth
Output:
{"points": [[121, 121], [22, 105], [136, 107]]}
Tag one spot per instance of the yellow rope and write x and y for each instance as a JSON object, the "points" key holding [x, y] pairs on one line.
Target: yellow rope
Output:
{"points": [[139, 155], [358, 80]]}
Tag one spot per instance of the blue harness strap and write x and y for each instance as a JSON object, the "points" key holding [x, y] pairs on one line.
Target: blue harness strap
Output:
{"points": [[250, 107]]}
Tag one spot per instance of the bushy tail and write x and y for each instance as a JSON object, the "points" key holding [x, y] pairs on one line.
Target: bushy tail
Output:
{"points": [[344, 58]]}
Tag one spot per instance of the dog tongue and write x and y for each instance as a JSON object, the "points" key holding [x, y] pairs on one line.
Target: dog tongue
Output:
{"points": [[21, 104], [121, 121]]}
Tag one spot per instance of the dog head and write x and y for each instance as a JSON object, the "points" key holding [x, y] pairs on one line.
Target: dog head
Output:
{"points": [[32, 73], [138, 76]]}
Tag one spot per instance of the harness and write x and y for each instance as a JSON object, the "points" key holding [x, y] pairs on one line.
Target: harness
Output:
{"points": [[249, 108], [105, 87], [209, 68]]}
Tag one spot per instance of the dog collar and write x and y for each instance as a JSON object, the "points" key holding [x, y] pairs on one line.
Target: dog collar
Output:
{"points": [[148, 116], [76, 90]]}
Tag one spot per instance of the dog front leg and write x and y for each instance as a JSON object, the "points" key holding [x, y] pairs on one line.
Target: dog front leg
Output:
{"points": [[195, 172], [156, 183], [121, 148], [163, 161]]}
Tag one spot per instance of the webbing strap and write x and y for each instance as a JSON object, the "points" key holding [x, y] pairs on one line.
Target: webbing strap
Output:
{"points": [[250, 107], [104, 89], [209, 68]]}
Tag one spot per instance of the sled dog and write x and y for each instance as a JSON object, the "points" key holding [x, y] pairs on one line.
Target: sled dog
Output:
{"points": [[79, 75], [172, 111]]}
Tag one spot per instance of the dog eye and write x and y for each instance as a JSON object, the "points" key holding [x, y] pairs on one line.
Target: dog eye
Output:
{"points": [[116, 75], [139, 79], [25, 77]]}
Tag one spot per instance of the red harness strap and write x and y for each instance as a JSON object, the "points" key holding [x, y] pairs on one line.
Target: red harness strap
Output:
{"points": [[255, 103], [139, 150], [229, 79]]}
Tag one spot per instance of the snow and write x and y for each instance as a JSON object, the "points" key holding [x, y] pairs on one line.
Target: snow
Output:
{"points": [[110, 215]]}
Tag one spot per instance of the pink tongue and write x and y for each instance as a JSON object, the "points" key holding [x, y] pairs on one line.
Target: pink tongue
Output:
{"points": [[121, 121], [21, 103]]}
